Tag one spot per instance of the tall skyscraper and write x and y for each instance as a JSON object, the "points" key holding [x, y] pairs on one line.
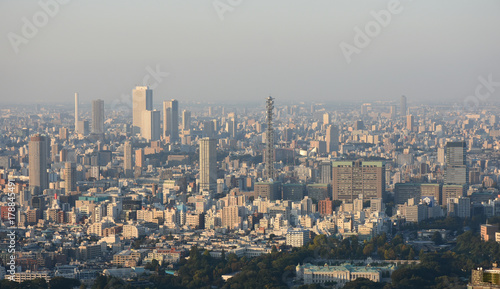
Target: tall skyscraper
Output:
{"points": [[208, 129], [69, 177], [232, 125], [326, 118], [393, 112], [151, 126], [403, 108], [171, 119], [410, 122], [127, 159], [456, 169], [208, 165], [186, 120], [38, 153], [98, 116], [139, 158], [351, 179], [76, 112], [269, 153], [332, 138], [142, 99]]}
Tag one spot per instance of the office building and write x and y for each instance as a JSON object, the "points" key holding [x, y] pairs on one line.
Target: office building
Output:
{"points": [[127, 159], [231, 217], [38, 154], [297, 237], [209, 129], [325, 207], [456, 169], [410, 122], [98, 116], [70, 177], [208, 165], [359, 125], [403, 108], [293, 192], [151, 129], [186, 120], [171, 120], [318, 192], [325, 169], [142, 99], [351, 179], [488, 232], [139, 158], [326, 118], [485, 278], [83, 127], [76, 112], [393, 112], [332, 138], [269, 190], [232, 125]]}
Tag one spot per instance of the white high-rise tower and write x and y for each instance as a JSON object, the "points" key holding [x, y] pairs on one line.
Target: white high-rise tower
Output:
{"points": [[76, 112]]}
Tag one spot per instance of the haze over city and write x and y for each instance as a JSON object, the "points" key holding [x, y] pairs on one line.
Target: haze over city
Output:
{"points": [[431, 51]]}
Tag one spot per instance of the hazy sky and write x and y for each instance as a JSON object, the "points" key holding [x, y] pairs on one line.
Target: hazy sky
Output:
{"points": [[290, 49]]}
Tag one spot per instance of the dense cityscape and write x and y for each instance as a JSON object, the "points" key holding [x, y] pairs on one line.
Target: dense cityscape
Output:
{"points": [[100, 195], [232, 144]]}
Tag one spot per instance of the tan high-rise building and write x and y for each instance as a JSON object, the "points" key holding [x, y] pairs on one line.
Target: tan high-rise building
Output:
{"points": [[142, 99], [186, 120], [332, 138], [171, 119], [70, 177], [326, 118], [127, 159], [63, 133], [232, 125], [208, 165], [230, 217], [351, 179], [98, 116], [150, 129], [410, 122], [139, 158], [38, 153]]}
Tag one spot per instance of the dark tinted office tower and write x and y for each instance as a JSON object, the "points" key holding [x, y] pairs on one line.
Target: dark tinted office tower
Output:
{"points": [[456, 168], [293, 192], [171, 119], [209, 129], [98, 116], [351, 179], [403, 108], [325, 173], [359, 125], [38, 153]]}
